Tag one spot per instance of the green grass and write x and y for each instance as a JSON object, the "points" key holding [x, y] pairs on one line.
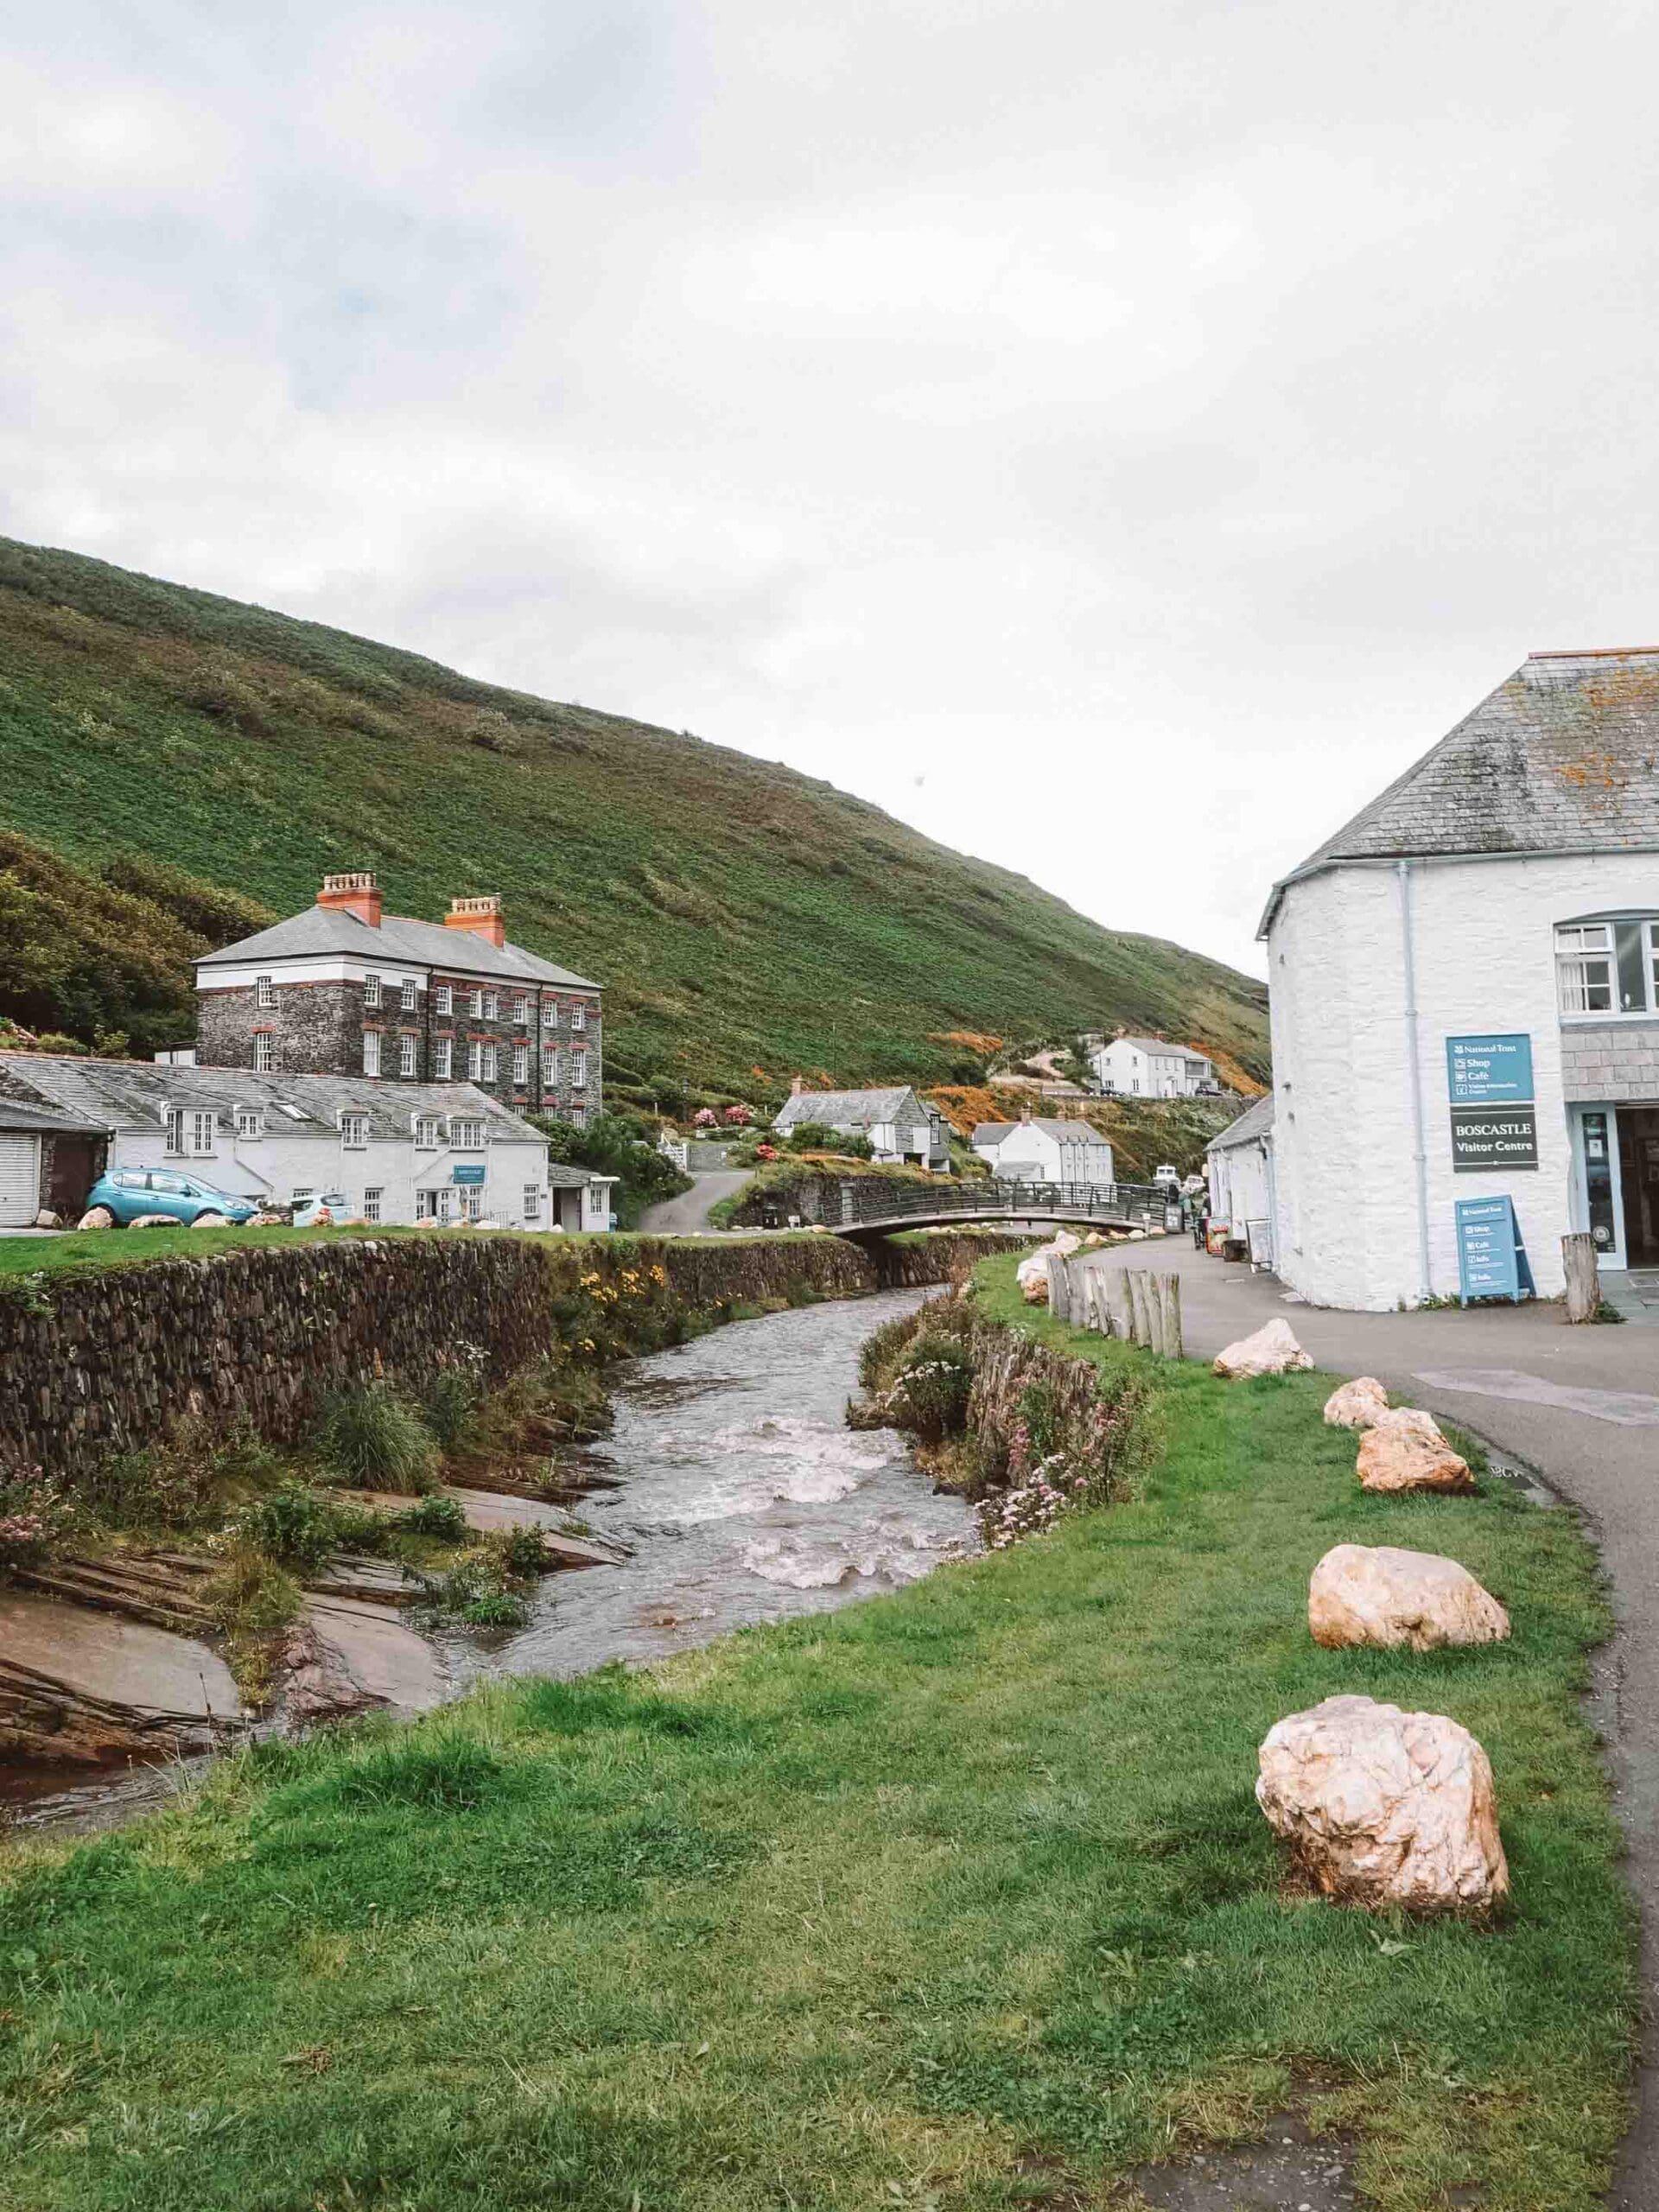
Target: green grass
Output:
{"points": [[957, 1899], [742, 915]]}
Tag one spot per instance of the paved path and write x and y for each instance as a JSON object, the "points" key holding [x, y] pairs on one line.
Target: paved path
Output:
{"points": [[1582, 1407], [689, 1213]]}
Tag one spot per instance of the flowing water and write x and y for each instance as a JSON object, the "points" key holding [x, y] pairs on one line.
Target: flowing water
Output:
{"points": [[741, 1496]]}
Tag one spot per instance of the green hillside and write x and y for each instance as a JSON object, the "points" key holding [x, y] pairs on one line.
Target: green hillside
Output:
{"points": [[742, 917]]}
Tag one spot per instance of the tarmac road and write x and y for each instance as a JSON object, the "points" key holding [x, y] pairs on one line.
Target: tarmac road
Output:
{"points": [[1581, 1407], [688, 1214]]}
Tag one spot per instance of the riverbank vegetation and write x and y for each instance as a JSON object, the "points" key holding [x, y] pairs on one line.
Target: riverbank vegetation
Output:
{"points": [[958, 1898]]}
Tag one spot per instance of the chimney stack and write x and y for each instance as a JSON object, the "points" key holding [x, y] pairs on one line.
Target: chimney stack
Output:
{"points": [[481, 917], [357, 893], [795, 1086]]}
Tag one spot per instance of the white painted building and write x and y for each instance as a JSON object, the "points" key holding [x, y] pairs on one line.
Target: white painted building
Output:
{"points": [[1465, 992], [1037, 1148], [1240, 1177], [899, 1125], [414, 1152], [1150, 1067]]}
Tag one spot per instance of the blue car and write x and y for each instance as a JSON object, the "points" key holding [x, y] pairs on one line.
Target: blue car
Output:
{"points": [[131, 1192]]}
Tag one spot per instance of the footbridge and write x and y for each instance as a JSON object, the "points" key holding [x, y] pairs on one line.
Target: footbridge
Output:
{"points": [[872, 1206]]}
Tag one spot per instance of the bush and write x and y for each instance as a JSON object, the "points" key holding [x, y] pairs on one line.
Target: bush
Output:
{"points": [[374, 1437], [930, 1396], [293, 1524], [442, 1517]]}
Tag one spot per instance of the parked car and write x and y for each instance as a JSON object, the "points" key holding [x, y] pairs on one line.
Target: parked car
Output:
{"points": [[322, 1208], [131, 1192]]}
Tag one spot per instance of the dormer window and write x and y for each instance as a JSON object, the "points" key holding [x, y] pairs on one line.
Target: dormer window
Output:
{"points": [[1608, 968], [248, 1122], [428, 1132], [354, 1131], [465, 1135]]}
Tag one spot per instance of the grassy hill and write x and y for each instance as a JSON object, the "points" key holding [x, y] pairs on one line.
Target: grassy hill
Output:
{"points": [[748, 921]]}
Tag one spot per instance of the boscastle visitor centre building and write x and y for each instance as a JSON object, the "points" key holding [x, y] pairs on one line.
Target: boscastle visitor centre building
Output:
{"points": [[1466, 1005]]}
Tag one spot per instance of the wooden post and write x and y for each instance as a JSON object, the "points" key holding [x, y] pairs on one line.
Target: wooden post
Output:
{"points": [[1123, 1305], [1170, 1290], [1137, 1305], [1583, 1281], [1154, 1313]]}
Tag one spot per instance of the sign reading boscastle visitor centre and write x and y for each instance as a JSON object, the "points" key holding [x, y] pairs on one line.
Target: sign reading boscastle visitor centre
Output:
{"points": [[1494, 1122]]}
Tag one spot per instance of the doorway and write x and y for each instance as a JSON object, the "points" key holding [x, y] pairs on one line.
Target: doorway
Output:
{"points": [[1639, 1168]]}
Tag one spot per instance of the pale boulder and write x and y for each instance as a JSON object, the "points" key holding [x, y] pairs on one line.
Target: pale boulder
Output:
{"points": [[1405, 1451], [1271, 1350], [1359, 1404], [1031, 1273], [1383, 1807], [1374, 1594]]}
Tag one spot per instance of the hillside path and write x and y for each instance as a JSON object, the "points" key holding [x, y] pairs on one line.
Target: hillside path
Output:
{"points": [[688, 1214], [1580, 1406]]}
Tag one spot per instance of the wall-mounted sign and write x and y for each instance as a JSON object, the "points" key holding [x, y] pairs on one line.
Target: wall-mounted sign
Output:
{"points": [[470, 1171], [1493, 1137], [1491, 1259], [1489, 1071]]}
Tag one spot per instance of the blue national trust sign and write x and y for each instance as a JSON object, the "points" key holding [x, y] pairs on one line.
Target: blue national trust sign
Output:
{"points": [[468, 1171], [1489, 1069]]}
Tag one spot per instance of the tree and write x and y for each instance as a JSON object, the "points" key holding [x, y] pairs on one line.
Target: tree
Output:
{"points": [[623, 1145]]}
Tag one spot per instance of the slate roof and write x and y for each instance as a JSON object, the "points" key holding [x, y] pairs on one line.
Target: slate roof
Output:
{"points": [[1254, 1122], [427, 945], [1562, 758], [847, 1109], [1064, 1132], [21, 1114], [1162, 1047], [133, 1093]]}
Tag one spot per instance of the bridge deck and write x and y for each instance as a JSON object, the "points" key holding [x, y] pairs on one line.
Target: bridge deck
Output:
{"points": [[869, 1204]]}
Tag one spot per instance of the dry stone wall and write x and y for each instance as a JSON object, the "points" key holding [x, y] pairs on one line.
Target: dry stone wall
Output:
{"points": [[113, 1358]]}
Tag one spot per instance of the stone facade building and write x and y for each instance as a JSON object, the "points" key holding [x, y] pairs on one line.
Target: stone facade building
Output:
{"points": [[1466, 1004], [346, 989]]}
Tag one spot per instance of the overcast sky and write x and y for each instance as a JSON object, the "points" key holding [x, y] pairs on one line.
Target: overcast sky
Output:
{"points": [[1117, 440]]}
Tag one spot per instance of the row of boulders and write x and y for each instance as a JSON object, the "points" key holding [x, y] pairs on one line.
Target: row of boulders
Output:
{"points": [[1031, 1273], [1381, 1807]]}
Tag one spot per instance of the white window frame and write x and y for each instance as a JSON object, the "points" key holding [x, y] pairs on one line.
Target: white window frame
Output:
{"points": [[350, 1123], [372, 1196], [428, 1132], [532, 1204], [435, 1205], [371, 990], [370, 1052], [521, 1010], [249, 1122], [442, 998], [492, 1006], [1581, 947], [550, 1071], [491, 1065], [471, 1197], [579, 1072], [476, 1005], [173, 1142], [406, 1057], [578, 1017], [406, 995], [443, 1056], [265, 992], [467, 1132], [265, 1053], [521, 1067], [475, 1063]]}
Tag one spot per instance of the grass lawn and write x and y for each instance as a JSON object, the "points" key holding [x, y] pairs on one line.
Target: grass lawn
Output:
{"points": [[957, 1899]]}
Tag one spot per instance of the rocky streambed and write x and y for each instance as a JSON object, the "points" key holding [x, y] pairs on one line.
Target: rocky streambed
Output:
{"points": [[729, 1492]]}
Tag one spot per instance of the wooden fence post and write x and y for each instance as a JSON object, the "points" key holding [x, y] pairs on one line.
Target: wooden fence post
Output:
{"points": [[1583, 1279], [1123, 1305], [1169, 1291]]}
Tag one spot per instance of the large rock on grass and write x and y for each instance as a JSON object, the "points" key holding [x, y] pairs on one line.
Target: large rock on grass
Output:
{"points": [[1031, 1273], [1405, 1451], [1383, 1807], [1271, 1350], [1359, 1404], [1374, 1594]]}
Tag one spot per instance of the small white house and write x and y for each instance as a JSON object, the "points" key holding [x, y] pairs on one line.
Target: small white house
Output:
{"points": [[1241, 1180], [1150, 1067], [1037, 1149], [899, 1125], [403, 1154]]}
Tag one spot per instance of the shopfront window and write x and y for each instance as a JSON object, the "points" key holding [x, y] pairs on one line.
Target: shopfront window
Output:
{"points": [[1608, 968]]}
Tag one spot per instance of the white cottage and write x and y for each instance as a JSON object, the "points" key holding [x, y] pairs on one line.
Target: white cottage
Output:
{"points": [[1465, 1004], [899, 1125], [1151, 1067], [1038, 1149], [1240, 1164]]}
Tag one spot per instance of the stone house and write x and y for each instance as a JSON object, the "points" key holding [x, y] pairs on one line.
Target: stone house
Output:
{"points": [[1240, 1166], [1040, 1148], [1465, 1001], [397, 1153], [899, 1125], [346, 989], [49, 1160], [1150, 1067]]}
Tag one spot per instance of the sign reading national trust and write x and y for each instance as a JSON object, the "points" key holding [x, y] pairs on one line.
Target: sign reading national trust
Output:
{"points": [[1493, 1137], [1490, 1069]]}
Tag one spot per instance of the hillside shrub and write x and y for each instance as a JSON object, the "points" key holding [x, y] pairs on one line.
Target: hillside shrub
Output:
{"points": [[929, 1395]]}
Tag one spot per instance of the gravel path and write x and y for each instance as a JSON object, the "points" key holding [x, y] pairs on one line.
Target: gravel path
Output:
{"points": [[689, 1213]]}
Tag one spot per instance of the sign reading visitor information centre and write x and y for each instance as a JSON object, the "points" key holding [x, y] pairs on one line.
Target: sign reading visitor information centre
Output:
{"points": [[1494, 1122]]}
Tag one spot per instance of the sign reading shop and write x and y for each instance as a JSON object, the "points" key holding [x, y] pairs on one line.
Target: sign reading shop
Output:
{"points": [[1494, 1121]]}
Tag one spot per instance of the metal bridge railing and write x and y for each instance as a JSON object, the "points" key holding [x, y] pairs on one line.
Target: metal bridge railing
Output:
{"points": [[870, 1198]]}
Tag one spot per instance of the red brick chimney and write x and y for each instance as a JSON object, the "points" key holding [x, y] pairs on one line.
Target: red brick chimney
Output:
{"points": [[482, 917], [357, 894]]}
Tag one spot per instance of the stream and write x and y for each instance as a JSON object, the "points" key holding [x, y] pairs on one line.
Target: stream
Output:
{"points": [[741, 1494]]}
